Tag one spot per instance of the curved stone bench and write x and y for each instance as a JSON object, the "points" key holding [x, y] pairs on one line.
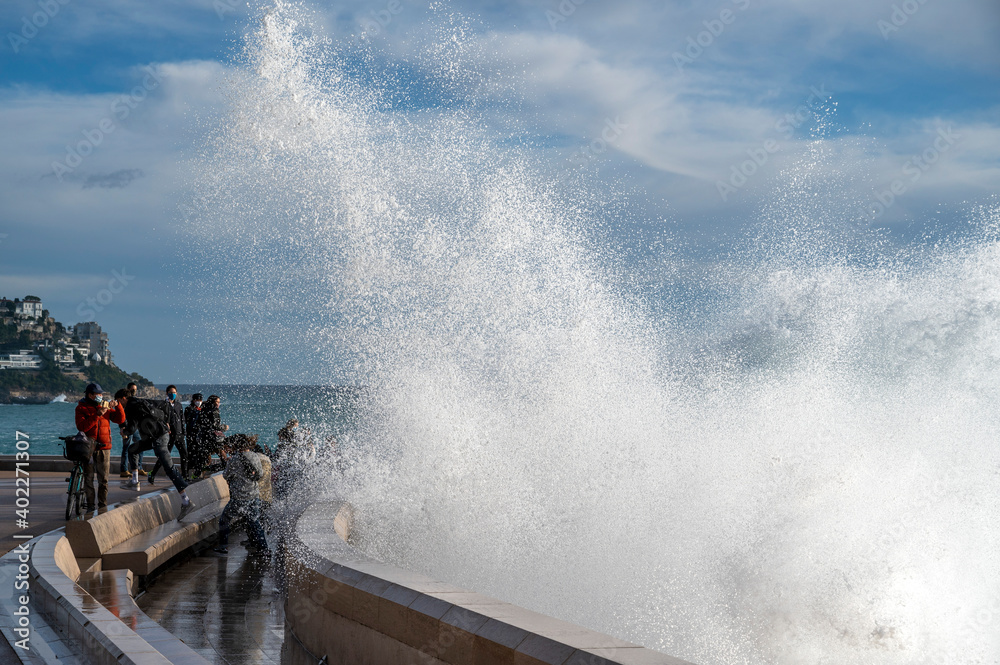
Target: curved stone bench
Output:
{"points": [[105, 637], [95, 606], [350, 609], [144, 535]]}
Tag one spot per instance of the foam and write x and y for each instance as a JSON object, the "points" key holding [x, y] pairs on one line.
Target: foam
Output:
{"points": [[814, 481]]}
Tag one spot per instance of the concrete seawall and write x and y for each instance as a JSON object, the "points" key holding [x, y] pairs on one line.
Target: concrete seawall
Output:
{"points": [[352, 610]]}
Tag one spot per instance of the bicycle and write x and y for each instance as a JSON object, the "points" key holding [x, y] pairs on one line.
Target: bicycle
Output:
{"points": [[76, 501]]}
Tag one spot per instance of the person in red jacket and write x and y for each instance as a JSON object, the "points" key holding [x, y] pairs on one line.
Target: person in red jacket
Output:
{"points": [[94, 417]]}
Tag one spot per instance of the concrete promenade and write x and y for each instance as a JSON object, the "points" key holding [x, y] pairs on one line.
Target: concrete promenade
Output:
{"points": [[46, 512], [228, 608], [48, 502]]}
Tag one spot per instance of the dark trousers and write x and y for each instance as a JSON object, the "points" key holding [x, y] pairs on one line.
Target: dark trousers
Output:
{"points": [[126, 442], [181, 450], [124, 464], [193, 454], [249, 510], [200, 454], [160, 448], [99, 464]]}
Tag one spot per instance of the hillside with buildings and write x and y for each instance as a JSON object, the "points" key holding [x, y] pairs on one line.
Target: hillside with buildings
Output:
{"points": [[40, 358]]}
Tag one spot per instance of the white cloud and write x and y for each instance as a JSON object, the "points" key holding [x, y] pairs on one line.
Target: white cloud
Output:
{"points": [[682, 132], [55, 144]]}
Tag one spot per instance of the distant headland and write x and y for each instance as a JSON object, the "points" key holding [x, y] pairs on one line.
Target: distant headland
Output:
{"points": [[41, 359]]}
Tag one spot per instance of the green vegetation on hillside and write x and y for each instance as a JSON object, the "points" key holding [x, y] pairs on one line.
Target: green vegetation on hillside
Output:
{"points": [[51, 379], [47, 379], [11, 340], [111, 378]]}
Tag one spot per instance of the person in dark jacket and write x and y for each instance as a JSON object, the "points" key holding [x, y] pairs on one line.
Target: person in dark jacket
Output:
{"points": [[211, 434], [150, 417], [94, 417], [295, 452], [191, 413], [244, 472], [177, 431]]}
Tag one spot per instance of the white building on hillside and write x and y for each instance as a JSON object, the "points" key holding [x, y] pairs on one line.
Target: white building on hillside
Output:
{"points": [[63, 354], [30, 307], [91, 332], [23, 359]]}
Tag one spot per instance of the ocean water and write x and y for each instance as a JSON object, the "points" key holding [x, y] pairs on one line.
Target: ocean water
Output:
{"points": [[260, 410], [804, 470]]}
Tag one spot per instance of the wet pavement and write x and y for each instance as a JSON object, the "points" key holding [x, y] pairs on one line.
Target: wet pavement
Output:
{"points": [[229, 608], [46, 496], [47, 502]]}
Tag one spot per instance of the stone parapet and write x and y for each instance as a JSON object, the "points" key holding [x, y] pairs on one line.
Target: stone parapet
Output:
{"points": [[351, 609]]}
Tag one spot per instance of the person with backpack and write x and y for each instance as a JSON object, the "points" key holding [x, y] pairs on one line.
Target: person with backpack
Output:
{"points": [[151, 418], [177, 432], [94, 417], [244, 472]]}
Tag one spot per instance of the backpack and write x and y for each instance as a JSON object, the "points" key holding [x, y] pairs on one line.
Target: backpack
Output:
{"points": [[79, 448], [248, 470], [152, 417]]}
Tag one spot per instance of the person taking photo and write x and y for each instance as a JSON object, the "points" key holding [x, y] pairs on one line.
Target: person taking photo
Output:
{"points": [[94, 417]]}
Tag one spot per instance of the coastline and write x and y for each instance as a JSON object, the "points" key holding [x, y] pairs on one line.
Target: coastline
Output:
{"points": [[17, 396], [33, 397]]}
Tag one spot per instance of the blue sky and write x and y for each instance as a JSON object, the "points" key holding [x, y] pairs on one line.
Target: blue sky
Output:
{"points": [[554, 76]]}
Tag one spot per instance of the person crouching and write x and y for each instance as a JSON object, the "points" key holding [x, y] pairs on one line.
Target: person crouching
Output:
{"points": [[243, 473]]}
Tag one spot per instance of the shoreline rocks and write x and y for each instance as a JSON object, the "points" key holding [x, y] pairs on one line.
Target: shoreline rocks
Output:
{"points": [[27, 397], [46, 397]]}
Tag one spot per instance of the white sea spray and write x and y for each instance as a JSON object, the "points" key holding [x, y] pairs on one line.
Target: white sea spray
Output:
{"points": [[816, 482]]}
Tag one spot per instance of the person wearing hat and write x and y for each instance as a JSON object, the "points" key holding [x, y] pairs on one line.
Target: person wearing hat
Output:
{"points": [[152, 418], [94, 417]]}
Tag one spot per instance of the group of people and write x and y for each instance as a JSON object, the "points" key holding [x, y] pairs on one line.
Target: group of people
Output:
{"points": [[144, 424], [197, 432]]}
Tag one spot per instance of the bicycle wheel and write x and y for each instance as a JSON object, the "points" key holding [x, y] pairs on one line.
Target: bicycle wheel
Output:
{"points": [[81, 496], [73, 492]]}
